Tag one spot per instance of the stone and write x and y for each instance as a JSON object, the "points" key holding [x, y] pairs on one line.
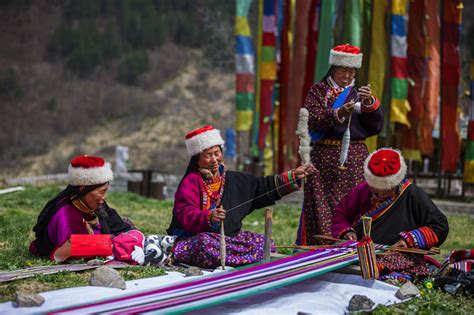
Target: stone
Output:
{"points": [[95, 262], [193, 271], [107, 277], [360, 303], [407, 290], [24, 299]]}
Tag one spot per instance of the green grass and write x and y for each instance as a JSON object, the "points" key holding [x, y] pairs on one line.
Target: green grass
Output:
{"points": [[18, 213]]}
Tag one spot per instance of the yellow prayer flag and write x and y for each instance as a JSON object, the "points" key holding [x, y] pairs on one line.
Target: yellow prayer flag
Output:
{"points": [[268, 71], [243, 120], [378, 50], [399, 7], [411, 154], [469, 171], [371, 143], [399, 110], [242, 26]]}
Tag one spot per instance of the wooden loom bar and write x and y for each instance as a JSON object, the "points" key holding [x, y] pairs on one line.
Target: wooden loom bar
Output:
{"points": [[268, 233]]}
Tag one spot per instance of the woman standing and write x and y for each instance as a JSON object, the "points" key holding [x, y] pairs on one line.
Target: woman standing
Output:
{"points": [[335, 105]]}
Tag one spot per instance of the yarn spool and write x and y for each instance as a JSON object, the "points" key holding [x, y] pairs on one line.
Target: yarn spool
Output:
{"points": [[366, 252]]}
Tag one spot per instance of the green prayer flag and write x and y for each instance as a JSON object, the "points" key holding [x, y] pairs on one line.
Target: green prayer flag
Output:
{"points": [[325, 38]]}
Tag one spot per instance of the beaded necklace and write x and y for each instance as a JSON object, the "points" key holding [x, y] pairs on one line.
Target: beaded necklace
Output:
{"points": [[213, 189]]}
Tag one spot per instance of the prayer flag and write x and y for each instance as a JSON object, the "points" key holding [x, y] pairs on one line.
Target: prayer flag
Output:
{"points": [[325, 38], [352, 23], [267, 70], [378, 57], [366, 39], [469, 158], [244, 67], [450, 84], [311, 45], [431, 94], [297, 76], [399, 106], [284, 78], [416, 65]]}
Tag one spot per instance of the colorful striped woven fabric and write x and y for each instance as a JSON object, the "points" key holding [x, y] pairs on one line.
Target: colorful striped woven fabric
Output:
{"points": [[458, 260], [217, 288], [367, 261], [366, 251]]}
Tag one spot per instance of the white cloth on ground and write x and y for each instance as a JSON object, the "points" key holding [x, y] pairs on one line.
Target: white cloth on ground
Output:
{"points": [[325, 294]]}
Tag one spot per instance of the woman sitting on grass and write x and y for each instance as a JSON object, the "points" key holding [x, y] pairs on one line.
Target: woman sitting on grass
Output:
{"points": [[209, 195], [81, 209]]}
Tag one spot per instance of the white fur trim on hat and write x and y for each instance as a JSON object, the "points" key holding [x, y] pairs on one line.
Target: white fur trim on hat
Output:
{"points": [[343, 59], [203, 141], [387, 182], [80, 176]]}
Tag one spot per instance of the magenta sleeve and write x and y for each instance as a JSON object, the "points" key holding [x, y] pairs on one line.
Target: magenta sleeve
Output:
{"points": [[349, 209], [66, 221], [187, 207]]}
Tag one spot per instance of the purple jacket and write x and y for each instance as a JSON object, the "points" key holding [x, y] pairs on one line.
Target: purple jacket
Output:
{"points": [[66, 221]]}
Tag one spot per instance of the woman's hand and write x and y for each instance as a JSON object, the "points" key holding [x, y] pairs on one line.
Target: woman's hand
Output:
{"points": [[218, 214], [365, 92], [303, 171], [350, 236], [401, 243], [346, 110]]}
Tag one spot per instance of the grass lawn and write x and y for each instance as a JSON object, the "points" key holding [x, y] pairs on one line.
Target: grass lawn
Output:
{"points": [[19, 211]]}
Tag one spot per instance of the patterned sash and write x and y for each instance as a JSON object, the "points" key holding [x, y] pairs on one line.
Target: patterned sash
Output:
{"points": [[383, 207]]}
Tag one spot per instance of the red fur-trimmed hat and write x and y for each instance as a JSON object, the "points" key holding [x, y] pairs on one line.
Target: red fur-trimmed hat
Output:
{"points": [[203, 138], [346, 56], [385, 168], [87, 170]]}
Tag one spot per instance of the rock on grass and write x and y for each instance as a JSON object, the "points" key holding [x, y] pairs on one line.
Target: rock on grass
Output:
{"points": [[107, 277]]}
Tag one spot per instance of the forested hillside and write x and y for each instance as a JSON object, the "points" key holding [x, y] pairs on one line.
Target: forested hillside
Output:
{"points": [[79, 77]]}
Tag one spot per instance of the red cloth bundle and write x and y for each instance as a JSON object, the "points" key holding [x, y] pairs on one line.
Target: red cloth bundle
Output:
{"points": [[84, 245]]}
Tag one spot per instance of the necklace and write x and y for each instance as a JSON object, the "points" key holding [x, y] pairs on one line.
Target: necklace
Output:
{"points": [[213, 189], [79, 204]]}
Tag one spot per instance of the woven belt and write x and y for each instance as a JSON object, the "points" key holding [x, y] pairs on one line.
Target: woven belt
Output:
{"points": [[337, 142]]}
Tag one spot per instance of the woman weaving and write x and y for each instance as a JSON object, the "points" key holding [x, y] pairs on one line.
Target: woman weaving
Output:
{"points": [[209, 195], [402, 214]]}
